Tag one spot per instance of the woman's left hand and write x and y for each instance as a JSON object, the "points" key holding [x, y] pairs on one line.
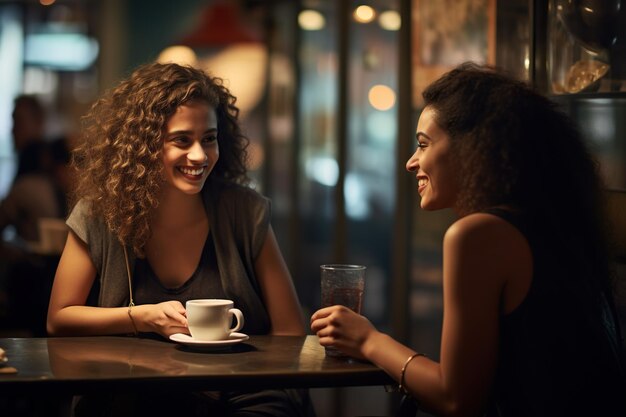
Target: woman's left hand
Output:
{"points": [[344, 329]]}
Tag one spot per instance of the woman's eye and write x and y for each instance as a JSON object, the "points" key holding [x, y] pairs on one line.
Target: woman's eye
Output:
{"points": [[209, 139], [421, 145], [180, 140]]}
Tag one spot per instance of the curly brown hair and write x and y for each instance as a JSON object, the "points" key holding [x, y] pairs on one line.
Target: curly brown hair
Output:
{"points": [[119, 158]]}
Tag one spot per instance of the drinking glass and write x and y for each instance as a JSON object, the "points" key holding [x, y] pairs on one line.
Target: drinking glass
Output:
{"points": [[342, 284]]}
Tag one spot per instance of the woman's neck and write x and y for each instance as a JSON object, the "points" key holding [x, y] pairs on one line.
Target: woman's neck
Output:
{"points": [[177, 210]]}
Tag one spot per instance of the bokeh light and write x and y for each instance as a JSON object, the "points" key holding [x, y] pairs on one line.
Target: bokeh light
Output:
{"points": [[311, 20], [178, 54], [381, 97], [390, 20], [364, 14]]}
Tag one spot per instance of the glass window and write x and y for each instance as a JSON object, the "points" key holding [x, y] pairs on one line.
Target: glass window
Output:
{"points": [[317, 136], [11, 47], [369, 183]]}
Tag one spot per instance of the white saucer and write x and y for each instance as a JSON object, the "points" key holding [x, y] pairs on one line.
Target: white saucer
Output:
{"points": [[186, 339]]}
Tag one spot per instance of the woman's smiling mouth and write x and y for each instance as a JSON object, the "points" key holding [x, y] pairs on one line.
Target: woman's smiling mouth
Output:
{"points": [[422, 182], [192, 171]]}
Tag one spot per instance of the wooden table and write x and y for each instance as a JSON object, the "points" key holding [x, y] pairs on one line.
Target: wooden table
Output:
{"points": [[78, 365]]}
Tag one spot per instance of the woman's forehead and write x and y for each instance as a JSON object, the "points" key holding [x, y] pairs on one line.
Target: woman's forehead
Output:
{"points": [[427, 122]]}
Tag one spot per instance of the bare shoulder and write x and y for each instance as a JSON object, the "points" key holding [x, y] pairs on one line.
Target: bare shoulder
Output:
{"points": [[486, 238], [482, 226]]}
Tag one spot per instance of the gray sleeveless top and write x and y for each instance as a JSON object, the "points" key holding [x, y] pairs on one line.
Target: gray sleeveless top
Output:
{"points": [[239, 219], [203, 283]]}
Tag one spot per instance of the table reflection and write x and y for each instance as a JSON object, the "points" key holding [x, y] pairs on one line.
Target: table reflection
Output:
{"points": [[90, 364]]}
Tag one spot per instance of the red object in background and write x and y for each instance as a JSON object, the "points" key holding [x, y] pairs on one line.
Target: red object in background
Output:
{"points": [[220, 25]]}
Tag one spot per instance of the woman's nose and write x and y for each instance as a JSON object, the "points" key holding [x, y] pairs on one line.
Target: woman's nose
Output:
{"points": [[412, 164], [196, 152]]}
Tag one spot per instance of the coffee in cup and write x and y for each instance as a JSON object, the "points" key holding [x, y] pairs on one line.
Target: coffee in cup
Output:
{"points": [[210, 319]]}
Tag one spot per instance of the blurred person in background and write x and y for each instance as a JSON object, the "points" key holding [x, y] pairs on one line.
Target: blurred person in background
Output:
{"points": [[29, 119], [39, 191]]}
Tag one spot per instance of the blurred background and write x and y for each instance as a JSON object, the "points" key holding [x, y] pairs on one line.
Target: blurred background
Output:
{"points": [[329, 92]]}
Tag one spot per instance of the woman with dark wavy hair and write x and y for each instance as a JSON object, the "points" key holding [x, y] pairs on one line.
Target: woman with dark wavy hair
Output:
{"points": [[529, 321], [162, 215]]}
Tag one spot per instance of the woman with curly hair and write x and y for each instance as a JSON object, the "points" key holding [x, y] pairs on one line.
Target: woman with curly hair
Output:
{"points": [[529, 321], [162, 215]]}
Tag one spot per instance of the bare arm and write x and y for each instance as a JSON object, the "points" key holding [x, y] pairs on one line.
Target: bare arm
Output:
{"points": [[279, 293], [480, 253], [475, 264], [68, 314]]}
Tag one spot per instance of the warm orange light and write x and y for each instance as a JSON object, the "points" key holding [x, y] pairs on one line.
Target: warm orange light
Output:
{"points": [[243, 68], [364, 14], [311, 20], [381, 97], [178, 54], [390, 20], [46, 2]]}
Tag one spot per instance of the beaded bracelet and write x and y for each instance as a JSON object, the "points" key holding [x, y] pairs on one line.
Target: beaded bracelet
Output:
{"points": [[402, 385]]}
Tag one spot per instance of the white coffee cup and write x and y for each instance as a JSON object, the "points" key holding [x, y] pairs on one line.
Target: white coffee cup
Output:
{"points": [[210, 319]]}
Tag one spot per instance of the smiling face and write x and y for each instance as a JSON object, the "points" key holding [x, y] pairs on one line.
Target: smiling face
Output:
{"points": [[432, 164], [190, 148]]}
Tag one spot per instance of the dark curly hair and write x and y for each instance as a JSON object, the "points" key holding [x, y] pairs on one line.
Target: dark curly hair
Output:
{"points": [[513, 147], [119, 158]]}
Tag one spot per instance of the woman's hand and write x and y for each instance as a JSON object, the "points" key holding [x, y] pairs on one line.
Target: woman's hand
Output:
{"points": [[344, 329], [165, 318]]}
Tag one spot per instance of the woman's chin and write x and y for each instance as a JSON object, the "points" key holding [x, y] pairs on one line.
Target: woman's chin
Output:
{"points": [[190, 189], [429, 205]]}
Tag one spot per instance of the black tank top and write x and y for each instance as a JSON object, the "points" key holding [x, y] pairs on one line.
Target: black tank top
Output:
{"points": [[558, 355], [204, 282]]}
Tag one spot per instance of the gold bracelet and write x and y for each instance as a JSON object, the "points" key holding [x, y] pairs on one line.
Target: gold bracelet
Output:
{"points": [[132, 320], [402, 385]]}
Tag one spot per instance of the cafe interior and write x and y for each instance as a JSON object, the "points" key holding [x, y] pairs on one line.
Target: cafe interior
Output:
{"points": [[329, 93]]}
